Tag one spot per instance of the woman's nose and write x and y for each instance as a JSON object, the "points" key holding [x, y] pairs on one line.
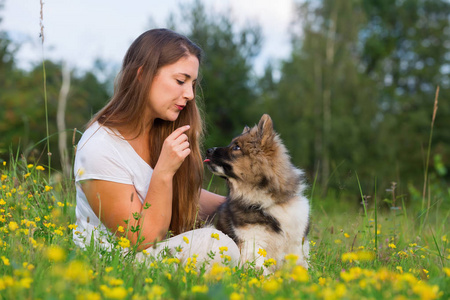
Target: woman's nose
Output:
{"points": [[189, 93]]}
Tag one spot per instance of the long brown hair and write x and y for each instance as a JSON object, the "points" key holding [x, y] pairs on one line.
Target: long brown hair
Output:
{"points": [[147, 54]]}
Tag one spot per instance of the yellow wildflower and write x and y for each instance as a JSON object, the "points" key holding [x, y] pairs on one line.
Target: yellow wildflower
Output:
{"points": [[148, 280], [40, 168], [215, 236], [236, 296], [292, 258], [426, 291], [56, 253], [226, 257], [262, 252], [5, 261], [217, 272], [253, 282], [322, 281], [185, 239], [48, 188], [77, 271], [28, 266], [402, 254], [72, 226], [59, 232], [223, 249], [300, 274], [269, 262], [88, 295], [156, 291], [199, 289], [30, 166], [346, 235], [115, 282], [349, 256], [13, 226], [118, 292], [391, 245], [446, 271], [271, 286], [124, 242], [120, 229]]}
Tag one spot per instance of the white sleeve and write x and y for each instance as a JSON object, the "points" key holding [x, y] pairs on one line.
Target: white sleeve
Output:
{"points": [[98, 158]]}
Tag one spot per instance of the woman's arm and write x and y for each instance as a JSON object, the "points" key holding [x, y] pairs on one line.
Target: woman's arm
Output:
{"points": [[112, 204], [209, 202]]}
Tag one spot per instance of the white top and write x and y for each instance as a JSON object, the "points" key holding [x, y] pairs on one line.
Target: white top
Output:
{"points": [[103, 154]]}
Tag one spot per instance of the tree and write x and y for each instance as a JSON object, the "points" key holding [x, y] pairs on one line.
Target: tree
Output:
{"points": [[406, 50], [326, 108]]}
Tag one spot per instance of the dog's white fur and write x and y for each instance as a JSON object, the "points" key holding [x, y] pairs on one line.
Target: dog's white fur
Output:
{"points": [[293, 218]]}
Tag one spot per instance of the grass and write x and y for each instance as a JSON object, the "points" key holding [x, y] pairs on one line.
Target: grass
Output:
{"points": [[356, 253]]}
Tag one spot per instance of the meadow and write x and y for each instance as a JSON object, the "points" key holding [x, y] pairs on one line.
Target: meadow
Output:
{"points": [[383, 248]]}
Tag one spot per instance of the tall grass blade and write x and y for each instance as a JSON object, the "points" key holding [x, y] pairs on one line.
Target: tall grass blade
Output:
{"points": [[314, 185], [427, 162], [49, 154], [362, 199], [376, 220], [210, 181], [437, 248]]}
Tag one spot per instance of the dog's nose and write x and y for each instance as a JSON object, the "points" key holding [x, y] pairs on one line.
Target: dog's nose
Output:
{"points": [[210, 150]]}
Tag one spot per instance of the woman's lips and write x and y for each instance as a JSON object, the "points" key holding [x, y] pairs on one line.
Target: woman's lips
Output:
{"points": [[180, 107]]}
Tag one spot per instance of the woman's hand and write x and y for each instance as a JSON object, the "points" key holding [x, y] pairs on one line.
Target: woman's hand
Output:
{"points": [[174, 150]]}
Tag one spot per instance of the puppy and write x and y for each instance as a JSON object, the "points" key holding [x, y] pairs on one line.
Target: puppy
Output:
{"points": [[265, 208]]}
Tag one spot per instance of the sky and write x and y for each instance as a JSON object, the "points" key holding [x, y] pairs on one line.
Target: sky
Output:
{"points": [[79, 31]]}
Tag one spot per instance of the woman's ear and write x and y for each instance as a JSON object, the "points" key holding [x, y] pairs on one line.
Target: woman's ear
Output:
{"points": [[139, 71]]}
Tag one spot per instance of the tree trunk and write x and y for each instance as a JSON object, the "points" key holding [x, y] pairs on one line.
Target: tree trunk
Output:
{"points": [[60, 120]]}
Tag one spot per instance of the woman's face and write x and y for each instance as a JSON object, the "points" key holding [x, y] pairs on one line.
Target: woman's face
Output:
{"points": [[172, 88]]}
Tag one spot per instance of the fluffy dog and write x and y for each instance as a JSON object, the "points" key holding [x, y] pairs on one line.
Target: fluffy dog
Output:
{"points": [[265, 207]]}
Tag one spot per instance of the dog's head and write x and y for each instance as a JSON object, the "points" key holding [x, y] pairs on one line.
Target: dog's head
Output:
{"points": [[254, 160]]}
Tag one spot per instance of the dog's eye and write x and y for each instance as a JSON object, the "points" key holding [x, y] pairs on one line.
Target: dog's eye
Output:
{"points": [[236, 148]]}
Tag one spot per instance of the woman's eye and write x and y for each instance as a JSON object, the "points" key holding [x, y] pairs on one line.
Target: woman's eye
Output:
{"points": [[236, 147], [180, 82]]}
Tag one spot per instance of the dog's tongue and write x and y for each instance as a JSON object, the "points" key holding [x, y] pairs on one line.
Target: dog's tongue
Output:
{"points": [[207, 160]]}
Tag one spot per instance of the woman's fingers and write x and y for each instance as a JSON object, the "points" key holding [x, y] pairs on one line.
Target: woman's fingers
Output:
{"points": [[179, 132], [175, 149]]}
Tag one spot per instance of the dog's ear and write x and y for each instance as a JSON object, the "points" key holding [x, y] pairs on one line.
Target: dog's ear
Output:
{"points": [[246, 129], [265, 128]]}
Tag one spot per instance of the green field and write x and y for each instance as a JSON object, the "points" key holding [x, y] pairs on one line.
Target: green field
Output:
{"points": [[406, 258]]}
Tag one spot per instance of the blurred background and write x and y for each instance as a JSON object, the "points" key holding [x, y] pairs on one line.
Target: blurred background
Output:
{"points": [[350, 85]]}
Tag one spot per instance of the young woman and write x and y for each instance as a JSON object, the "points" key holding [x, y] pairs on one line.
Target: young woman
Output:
{"points": [[139, 162]]}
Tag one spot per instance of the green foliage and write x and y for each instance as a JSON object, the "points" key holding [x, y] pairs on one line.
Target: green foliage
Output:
{"points": [[38, 258], [357, 92], [23, 110]]}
